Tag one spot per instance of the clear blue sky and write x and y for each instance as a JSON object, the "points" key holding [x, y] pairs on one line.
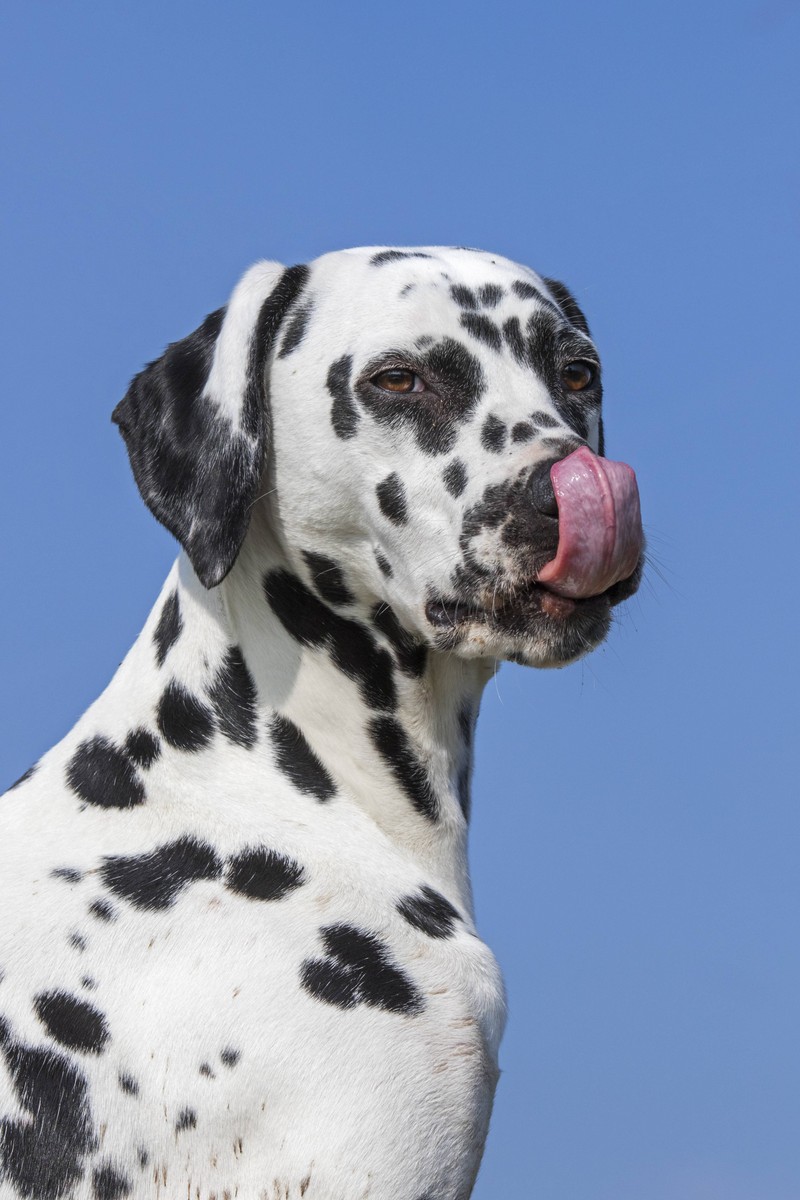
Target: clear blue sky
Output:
{"points": [[636, 842]]}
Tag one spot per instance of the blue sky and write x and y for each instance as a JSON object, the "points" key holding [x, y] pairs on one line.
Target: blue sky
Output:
{"points": [[636, 835]]}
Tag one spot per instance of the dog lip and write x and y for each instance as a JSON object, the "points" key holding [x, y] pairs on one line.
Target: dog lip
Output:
{"points": [[449, 611]]}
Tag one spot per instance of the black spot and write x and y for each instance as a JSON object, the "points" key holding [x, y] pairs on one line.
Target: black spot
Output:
{"points": [[73, 1022], [455, 477], [352, 648], [109, 1184], [328, 578], [154, 880], [187, 1119], [169, 627], [545, 419], [526, 291], [68, 874], [262, 874], [464, 797], [384, 566], [205, 1069], [128, 1084], [456, 383], [490, 295], [142, 1157], [429, 912], [568, 305], [23, 778], [183, 720], [523, 431], [89, 983], [411, 654], [392, 499], [358, 970], [230, 1057], [493, 434], [234, 697], [298, 761], [42, 1155], [103, 911], [463, 296], [391, 741], [387, 256], [514, 339], [295, 331], [77, 941], [344, 414], [103, 775], [143, 747], [482, 328]]}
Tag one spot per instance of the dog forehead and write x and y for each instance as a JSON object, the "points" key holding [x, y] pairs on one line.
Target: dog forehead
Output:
{"points": [[378, 296]]}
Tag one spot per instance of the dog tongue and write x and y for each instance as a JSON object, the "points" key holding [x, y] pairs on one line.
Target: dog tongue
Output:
{"points": [[599, 525]]}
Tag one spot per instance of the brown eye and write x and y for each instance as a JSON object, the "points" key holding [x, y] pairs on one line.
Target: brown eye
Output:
{"points": [[398, 380], [577, 376]]}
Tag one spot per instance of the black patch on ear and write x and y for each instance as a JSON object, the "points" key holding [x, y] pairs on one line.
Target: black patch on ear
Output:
{"points": [[295, 331], [455, 477], [344, 414], [184, 722], [328, 578], [391, 741], [42, 1152], [429, 912], [153, 881], [262, 874], [387, 256], [357, 969], [493, 434], [352, 648], [482, 328], [142, 747], [568, 305], [233, 695], [411, 654], [298, 761], [197, 474], [108, 1183], [73, 1022], [104, 775], [392, 499], [169, 627]]}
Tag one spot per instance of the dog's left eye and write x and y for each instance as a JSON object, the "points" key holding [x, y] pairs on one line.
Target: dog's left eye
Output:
{"points": [[398, 380], [577, 376]]}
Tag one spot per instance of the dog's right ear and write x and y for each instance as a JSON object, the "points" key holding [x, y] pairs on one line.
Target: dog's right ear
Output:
{"points": [[196, 421]]}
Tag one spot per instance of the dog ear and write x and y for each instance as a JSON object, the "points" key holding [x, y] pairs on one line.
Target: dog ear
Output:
{"points": [[196, 421]]}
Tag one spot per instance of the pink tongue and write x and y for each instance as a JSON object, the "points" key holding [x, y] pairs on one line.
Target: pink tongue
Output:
{"points": [[599, 525]]}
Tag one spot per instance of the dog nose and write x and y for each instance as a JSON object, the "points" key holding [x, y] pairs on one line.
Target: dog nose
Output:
{"points": [[541, 489]]}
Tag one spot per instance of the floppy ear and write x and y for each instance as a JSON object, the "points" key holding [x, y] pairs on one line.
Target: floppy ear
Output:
{"points": [[196, 421]]}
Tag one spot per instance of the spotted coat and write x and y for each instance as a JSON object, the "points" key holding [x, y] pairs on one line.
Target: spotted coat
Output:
{"points": [[238, 954]]}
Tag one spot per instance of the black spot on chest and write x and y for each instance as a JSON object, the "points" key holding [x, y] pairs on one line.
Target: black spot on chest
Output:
{"points": [[352, 648], [73, 1022], [154, 880], [183, 720], [263, 874], [233, 696], [358, 969], [297, 760], [102, 774], [169, 627], [42, 1154], [429, 912]]}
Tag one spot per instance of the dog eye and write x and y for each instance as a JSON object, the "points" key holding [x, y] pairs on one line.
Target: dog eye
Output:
{"points": [[398, 381], [577, 376]]}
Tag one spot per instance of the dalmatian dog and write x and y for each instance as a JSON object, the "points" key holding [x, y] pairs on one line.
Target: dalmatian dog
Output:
{"points": [[238, 954]]}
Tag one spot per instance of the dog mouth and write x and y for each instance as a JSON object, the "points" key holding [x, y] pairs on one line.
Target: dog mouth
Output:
{"points": [[516, 607]]}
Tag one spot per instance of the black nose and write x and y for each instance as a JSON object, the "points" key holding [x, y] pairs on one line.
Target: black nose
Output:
{"points": [[541, 489]]}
